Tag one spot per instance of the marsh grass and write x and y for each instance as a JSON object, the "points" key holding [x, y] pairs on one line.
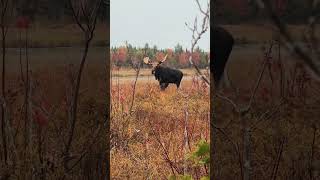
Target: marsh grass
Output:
{"points": [[149, 142], [283, 129], [49, 118]]}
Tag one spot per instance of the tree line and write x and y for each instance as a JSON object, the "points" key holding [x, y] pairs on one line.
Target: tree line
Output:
{"points": [[127, 56]]}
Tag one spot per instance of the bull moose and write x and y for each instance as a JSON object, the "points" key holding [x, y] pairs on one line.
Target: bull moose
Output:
{"points": [[165, 75], [222, 43]]}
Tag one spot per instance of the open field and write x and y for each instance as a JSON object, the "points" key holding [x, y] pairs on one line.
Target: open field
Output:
{"points": [[57, 35], [148, 125], [41, 140], [282, 122], [148, 142], [283, 130]]}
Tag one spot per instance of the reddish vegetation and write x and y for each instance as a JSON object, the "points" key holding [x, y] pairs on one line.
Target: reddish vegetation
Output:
{"points": [[196, 58], [183, 58], [170, 53], [148, 143], [40, 118], [160, 56], [23, 22], [121, 54], [283, 129]]}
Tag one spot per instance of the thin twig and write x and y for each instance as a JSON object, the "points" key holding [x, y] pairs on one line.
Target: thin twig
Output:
{"points": [[312, 64], [196, 36]]}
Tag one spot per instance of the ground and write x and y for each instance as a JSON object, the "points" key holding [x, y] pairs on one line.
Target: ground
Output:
{"points": [[149, 141]]}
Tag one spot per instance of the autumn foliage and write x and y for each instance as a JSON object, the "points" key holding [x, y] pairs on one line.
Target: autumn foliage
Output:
{"points": [[149, 142], [177, 58]]}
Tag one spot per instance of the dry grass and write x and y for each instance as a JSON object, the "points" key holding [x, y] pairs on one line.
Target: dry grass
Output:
{"points": [[50, 96], [284, 138], [141, 139], [37, 129]]}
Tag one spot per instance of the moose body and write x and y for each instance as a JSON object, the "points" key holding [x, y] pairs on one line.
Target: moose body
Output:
{"points": [[222, 43], [166, 75]]}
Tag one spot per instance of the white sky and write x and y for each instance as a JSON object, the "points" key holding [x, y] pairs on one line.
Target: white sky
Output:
{"points": [[156, 22]]}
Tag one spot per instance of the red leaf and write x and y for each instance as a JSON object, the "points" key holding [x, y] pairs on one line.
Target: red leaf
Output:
{"points": [[23, 22], [40, 118]]}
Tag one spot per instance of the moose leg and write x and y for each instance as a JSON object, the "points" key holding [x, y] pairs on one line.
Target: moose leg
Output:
{"points": [[178, 82], [163, 86]]}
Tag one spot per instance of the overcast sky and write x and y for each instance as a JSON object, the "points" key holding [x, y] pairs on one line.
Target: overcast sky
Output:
{"points": [[156, 22]]}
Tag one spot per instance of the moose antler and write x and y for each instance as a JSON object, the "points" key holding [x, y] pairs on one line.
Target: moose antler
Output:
{"points": [[146, 60], [164, 59]]}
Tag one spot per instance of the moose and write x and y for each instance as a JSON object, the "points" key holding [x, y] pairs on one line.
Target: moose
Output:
{"points": [[165, 75], [222, 43]]}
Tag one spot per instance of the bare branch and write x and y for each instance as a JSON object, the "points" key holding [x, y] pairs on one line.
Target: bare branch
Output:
{"points": [[228, 100], [196, 36], [201, 10], [88, 34], [76, 16], [312, 63], [268, 113], [234, 145]]}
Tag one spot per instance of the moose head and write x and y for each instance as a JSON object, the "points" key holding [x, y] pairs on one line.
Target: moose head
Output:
{"points": [[164, 75]]}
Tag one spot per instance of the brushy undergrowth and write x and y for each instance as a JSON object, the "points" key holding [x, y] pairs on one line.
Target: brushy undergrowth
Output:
{"points": [[49, 126], [149, 142]]}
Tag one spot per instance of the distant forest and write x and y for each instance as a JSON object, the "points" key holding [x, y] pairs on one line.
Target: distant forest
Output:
{"points": [[177, 57], [53, 10], [247, 11], [224, 11]]}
